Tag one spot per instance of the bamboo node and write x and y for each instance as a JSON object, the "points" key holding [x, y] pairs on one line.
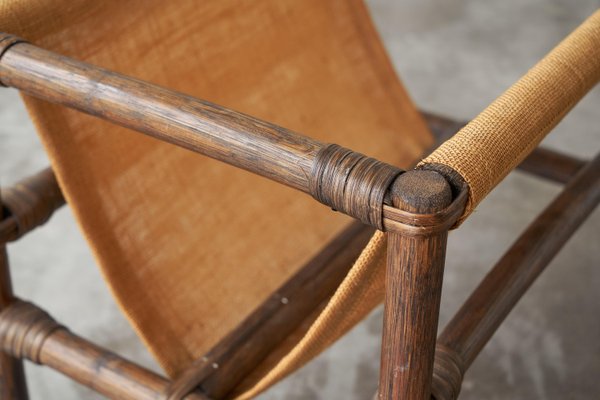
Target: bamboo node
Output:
{"points": [[24, 329], [7, 41], [32, 201], [448, 373]]}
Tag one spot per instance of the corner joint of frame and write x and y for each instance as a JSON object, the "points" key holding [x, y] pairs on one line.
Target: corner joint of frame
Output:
{"points": [[425, 201], [6, 42]]}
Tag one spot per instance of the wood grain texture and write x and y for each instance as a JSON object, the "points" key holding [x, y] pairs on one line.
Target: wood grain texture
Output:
{"points": [[7, 41], [448, 372], [551, 165], [352, 183], [27, 331], [415, 268], [232, 137], [442, 128], [12, 374], [477, 320], [29, 203]]}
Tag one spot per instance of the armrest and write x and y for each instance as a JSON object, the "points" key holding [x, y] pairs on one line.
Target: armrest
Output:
{"points": [[499, 138], [194, 124], [345, 180]]}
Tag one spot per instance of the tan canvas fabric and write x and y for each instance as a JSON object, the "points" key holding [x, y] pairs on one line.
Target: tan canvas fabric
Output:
{"points": [[499, 138], [188, 245], [360, 292]]}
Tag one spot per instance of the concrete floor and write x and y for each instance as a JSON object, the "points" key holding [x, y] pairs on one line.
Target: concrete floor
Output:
{"points": [[454, 57]]}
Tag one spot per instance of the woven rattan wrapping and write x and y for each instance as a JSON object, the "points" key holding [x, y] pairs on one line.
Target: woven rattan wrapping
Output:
{"points": [[32, 201], [499, 138], [24, 328], [352, 182]]}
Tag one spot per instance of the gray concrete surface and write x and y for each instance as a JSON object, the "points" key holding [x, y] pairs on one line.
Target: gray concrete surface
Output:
{"points": [[454, 57]]}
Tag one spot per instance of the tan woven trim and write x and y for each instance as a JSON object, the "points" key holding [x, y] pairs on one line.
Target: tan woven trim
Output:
{"points": [[359, 293], [499, 138]]}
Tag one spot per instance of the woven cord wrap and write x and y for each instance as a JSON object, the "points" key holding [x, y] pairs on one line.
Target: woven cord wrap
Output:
{"points": [[499, 138], [33, 200], [352, 183], [448, 372]]}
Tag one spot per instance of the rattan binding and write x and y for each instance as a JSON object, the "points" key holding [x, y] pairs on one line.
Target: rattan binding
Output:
{"points": [[352, 183]]}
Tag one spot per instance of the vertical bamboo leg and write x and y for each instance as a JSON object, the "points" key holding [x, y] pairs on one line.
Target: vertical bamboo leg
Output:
{"points": [[415, 268], [12, 375]]}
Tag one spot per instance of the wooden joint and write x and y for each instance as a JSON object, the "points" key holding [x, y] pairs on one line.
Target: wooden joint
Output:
{"points": [[29, 204], [425, 201], [26, 331], [24, 328], [7, 41], [448, 372], [424, 205], [352, 183], [420, 191]]}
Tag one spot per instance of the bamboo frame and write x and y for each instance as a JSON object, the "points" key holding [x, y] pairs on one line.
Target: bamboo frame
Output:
{"points": [[415, 268], [483, 312], [12, 374], [31, 333], [419, 209]]}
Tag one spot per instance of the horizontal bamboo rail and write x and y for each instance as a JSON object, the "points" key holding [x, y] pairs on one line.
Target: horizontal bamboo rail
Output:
{"points": [[30, 203], [481, 315], [26, 331], [551, 165], [229, 136], [12, 373]]}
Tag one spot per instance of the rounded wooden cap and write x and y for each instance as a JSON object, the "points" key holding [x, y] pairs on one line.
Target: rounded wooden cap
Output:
{"points": [[421, 191]]}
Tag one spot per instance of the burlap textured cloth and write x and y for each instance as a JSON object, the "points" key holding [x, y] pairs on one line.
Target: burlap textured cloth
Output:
{"points": [[499, 138], [483, 152], [190, 246]]}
